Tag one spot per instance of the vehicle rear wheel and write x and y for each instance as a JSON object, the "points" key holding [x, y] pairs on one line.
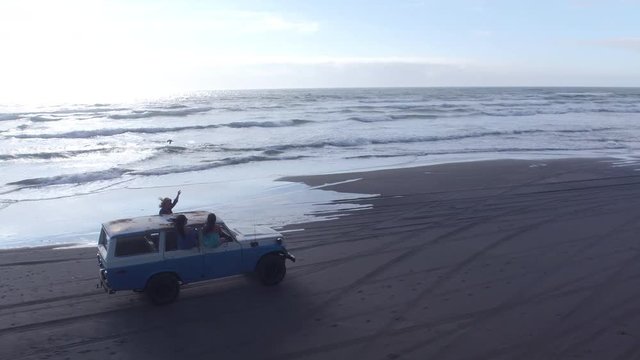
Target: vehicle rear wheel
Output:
{"points": [[163, 289], [271, 269]]}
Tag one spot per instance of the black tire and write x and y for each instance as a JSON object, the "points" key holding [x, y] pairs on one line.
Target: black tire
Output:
{"points": [[163, 289], [271, 269]]}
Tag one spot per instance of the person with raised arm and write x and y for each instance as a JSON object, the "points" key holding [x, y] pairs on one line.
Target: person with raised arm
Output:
{"points": [[166, 205]]}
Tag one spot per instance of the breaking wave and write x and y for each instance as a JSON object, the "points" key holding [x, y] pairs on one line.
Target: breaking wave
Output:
{"points": [[414, 117], [267, 124], [80, 178], [42, 118], [176, 111], [370, 119], [56, 154], [324, 125], [485, 150], [356, 142], [583, 94], [212, 165], [172, 149], [83, 134], [4, 117], [115, 173]]}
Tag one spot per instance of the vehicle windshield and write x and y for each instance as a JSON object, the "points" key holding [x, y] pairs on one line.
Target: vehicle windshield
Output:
{"points": [[104, 239], [228, 231]]}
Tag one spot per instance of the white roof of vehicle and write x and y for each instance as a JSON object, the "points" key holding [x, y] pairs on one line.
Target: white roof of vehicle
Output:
{"points": [[155, 222]]}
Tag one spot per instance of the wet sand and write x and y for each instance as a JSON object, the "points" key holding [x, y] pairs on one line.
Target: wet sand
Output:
{"points": [[486, 260]]}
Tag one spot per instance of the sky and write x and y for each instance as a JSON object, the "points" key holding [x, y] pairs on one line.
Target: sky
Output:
{"points": [[90, 49]]}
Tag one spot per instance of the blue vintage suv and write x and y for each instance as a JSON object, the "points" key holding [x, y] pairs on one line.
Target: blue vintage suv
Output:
{"points": [[142, 254]]}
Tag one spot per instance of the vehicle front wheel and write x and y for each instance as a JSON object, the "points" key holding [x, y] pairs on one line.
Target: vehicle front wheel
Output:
{"points": [[271, 269], [163, 289]]}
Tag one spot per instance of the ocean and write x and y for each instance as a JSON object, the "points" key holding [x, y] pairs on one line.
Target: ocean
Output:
{"points": [[66, 168]]}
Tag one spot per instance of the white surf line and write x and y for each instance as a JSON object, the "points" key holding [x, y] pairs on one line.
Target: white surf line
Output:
{"points": [[335, 183], [292, 230], [69, 246], [300, 187]]}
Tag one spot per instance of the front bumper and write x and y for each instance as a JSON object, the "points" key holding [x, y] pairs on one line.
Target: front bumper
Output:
{"points": [[104, 284], [289, 256]]}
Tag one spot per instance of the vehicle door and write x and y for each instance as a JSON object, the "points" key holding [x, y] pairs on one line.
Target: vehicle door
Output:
{"points": [[225, 259], [187, 263]]}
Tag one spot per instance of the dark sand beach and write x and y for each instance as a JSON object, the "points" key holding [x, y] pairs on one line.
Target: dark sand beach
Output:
{"points": [[486, 260]]}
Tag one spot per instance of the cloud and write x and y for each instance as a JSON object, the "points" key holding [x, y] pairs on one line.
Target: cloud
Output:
{"points": [[340, 72], [630, 43], [238, 72], [326, 60], [398, 72]]}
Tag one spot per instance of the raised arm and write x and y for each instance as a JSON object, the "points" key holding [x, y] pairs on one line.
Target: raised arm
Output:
{"points": [[175, 201]]}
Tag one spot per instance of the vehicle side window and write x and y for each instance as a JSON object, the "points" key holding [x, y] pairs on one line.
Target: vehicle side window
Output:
{"points": [[153, 239], [225, 234], [104, 241], [133, 245], [170, 241]]}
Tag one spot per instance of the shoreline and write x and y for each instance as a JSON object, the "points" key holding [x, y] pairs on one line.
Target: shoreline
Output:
{"points": [[347, 176], [500, 259]]}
